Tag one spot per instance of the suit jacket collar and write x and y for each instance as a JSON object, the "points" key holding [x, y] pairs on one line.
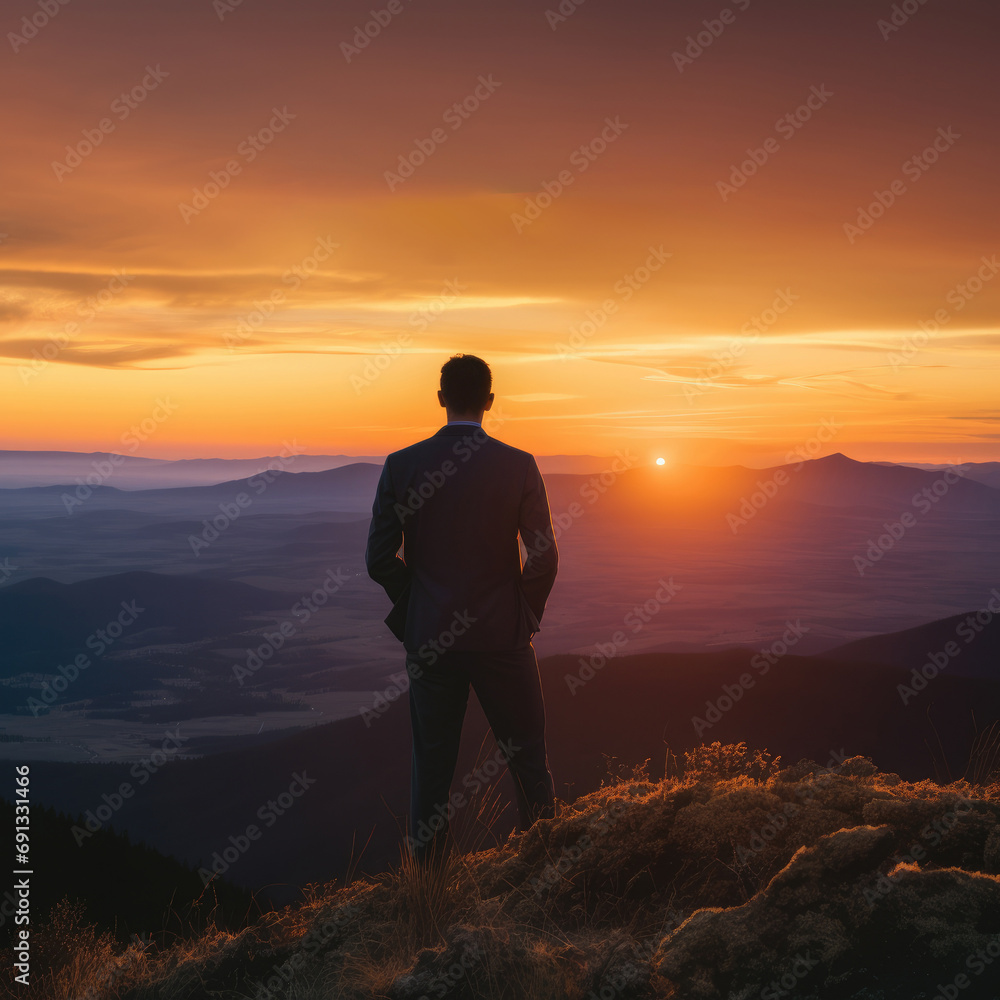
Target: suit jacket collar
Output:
{"points": [[458, 430]]}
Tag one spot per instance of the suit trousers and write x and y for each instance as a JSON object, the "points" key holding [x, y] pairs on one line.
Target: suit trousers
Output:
{"points": [[509, 690]]}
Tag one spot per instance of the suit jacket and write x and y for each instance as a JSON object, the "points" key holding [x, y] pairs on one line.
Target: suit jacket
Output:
{"points": [[457, 502]]}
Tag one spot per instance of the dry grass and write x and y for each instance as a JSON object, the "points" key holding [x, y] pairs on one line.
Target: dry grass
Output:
{"points": [[584, 902], [70, 958], [984, 756]]}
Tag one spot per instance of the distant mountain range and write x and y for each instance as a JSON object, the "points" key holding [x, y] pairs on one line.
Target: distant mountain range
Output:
{"points": [[832, 481], [345, 488], [821, 539], [983, 472], [133, 472]]}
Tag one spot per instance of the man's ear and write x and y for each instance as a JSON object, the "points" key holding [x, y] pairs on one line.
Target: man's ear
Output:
{"points": [[489, 402], [441, 399]]}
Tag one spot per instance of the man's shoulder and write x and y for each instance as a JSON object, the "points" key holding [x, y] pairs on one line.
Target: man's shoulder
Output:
{"points": [[508, 449], [415, 451]]}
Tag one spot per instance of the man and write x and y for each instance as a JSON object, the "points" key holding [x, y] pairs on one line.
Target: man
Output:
{"points": [[464, 607]]}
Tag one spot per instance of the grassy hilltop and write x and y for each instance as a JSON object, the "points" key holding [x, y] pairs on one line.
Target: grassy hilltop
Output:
{"points": [[732, 878]]}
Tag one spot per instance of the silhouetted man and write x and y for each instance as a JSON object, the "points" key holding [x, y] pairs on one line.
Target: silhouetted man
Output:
{"points": [[464, 607]]}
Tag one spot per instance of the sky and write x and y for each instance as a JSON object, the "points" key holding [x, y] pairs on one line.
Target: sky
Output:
{"points": [[248, 226]]}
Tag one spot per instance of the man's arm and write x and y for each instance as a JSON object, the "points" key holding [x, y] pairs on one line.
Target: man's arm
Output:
{"points": [[538, 573], [385, 535]]}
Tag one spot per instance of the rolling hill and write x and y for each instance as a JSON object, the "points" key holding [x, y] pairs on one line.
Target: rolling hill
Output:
{"points": [[630, 709]]}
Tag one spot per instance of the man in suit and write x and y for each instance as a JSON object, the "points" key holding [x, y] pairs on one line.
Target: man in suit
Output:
{"points": [[464, 607]]}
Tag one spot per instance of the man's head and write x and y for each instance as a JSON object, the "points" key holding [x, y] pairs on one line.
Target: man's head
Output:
{"points": [[465, 387]]}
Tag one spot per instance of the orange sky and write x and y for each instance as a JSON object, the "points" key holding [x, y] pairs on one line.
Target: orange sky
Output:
{"points": [[209, 313]]}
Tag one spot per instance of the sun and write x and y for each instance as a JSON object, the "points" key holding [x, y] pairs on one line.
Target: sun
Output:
{"points": [[661, 461]]}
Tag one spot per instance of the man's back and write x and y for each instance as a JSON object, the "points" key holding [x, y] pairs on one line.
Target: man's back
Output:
{"points": [[463, 606], [458, 500]]}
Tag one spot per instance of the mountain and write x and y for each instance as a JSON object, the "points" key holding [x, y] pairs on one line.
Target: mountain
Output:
{"points": [[133, 472], [987, 473], [347, 488], [824, 542], [833, 481], [694, 491], [839, 480], [967, 644], [983, 472], [733, 495]]}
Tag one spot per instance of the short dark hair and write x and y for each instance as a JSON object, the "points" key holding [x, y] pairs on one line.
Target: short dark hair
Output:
{"points": [[466, 382]]}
